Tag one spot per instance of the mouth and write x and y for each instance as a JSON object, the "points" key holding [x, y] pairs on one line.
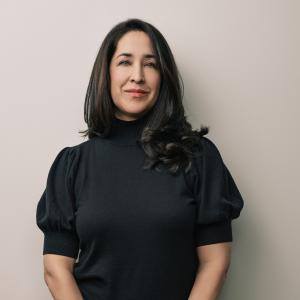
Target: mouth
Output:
{"points": [[136, 94]]}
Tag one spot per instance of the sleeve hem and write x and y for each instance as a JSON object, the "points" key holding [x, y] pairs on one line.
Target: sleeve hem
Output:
{"points": [[62, 243], [213, 233]]}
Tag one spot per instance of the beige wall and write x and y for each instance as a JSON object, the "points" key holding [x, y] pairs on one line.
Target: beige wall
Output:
{"points": [[240, 65]]}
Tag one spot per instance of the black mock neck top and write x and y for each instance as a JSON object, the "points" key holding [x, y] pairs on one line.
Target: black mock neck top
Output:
{"points": [[125, 133], [134, 232]]}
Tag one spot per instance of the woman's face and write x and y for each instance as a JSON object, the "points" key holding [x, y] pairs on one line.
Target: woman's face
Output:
{"points": [[135, 70]]}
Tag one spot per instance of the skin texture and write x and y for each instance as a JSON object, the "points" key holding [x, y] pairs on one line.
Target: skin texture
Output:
{"points": [[214, 264], [58, 275], [133, 72]]}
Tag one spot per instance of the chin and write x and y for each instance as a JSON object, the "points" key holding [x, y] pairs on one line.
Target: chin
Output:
{"points": [[135, 111], [135, 107]]}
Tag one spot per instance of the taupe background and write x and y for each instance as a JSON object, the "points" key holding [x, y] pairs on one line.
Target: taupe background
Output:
{"points": [[240, 64]]}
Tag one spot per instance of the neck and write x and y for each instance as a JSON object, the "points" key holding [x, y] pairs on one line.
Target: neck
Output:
{"points": [[127, 132]]}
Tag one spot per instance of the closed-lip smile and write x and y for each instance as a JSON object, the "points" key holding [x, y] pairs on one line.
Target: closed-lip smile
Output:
{"points": [[136, 91]]}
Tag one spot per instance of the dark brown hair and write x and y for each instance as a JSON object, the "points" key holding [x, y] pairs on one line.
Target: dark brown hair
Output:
{"points": [[169, 140]]}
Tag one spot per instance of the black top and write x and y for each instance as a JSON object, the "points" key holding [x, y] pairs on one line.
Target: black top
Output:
{"points": [[137, 230]]}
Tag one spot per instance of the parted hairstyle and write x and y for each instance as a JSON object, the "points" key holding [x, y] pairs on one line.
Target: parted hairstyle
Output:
{"points": [[167, 138]]}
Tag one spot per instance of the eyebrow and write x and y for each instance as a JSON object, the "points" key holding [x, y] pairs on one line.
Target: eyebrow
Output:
{"points": [[130, 55]]}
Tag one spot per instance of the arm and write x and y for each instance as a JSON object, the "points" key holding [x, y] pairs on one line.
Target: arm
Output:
{"points": [[58, 275], [214, 263]]}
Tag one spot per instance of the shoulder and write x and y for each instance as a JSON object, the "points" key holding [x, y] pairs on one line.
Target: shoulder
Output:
{"points": [[206, 156], [208, 147], [77, 149], [71, 155], [82, 146]]}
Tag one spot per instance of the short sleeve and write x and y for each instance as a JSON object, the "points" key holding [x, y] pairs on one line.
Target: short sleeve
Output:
{"points": [[56, 210], [218, 200]]}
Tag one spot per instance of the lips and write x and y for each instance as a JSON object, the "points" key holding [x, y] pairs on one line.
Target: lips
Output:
{"points": [[139, 91]]}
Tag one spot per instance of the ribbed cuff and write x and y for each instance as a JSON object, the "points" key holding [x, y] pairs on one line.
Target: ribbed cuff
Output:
{"points": [[213, 233], [62, 243]]}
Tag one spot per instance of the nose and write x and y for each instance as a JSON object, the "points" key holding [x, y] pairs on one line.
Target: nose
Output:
{"points": [[137, 74]]}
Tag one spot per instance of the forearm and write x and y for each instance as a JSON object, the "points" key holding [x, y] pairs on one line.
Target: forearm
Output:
{"points": [[63, 286], [208, 282]]}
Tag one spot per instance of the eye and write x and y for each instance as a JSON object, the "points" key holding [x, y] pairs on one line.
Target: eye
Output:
{"points": [[152, 64], [125, 62]]}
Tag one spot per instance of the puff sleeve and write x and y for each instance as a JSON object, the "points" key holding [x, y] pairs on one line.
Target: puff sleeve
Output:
{"points": [[55, 212], [218, 199]]}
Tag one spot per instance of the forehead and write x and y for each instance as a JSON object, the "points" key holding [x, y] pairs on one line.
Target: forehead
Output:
{"points": [[135, 43]]}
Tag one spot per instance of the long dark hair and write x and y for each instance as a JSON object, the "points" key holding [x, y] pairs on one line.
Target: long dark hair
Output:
{"points": [[169, 139]]}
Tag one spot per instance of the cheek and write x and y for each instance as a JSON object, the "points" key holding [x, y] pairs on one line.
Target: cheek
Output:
{"points": [[116, 82], [117, 76], [155, 83]]}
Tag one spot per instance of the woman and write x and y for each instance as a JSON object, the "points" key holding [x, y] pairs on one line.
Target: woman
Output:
{"points": [[143, 208]]}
